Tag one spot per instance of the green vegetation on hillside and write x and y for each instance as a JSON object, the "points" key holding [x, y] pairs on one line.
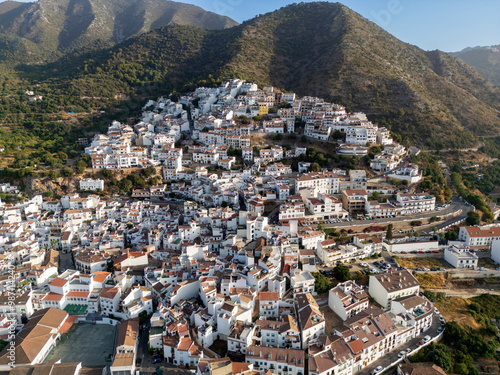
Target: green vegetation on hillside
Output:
{"points": [[66, 24], [486, 60], [434, 181], [320, 49], [462, 346], [475, 199]]}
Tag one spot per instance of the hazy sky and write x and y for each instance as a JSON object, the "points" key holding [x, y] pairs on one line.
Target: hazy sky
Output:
{"points": [[448, 25]]}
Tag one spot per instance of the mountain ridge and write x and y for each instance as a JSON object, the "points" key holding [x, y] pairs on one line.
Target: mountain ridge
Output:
{"points": [[61, 25], [486, 60], [320, 49]]}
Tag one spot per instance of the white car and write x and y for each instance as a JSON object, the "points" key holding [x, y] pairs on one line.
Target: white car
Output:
{"points": [[401, 354], [427, 338], [377, 370]]}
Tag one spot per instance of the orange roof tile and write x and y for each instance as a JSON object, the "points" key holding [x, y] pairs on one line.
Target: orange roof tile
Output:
{"points": [[78, 294], [67, 324], [53, 297], [58, 282]]}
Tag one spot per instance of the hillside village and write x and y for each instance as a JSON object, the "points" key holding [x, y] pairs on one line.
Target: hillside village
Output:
{"points": [[227, 249]]}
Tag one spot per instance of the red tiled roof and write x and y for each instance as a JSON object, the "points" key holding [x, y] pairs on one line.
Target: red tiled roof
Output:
{"points": [[67, 324]]}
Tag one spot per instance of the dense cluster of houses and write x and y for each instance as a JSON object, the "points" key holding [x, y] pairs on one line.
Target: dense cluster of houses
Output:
{"points": [[211, 117], [232, 258], [204, 273]]}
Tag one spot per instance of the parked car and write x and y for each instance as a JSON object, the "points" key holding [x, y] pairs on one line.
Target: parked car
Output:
{"points": [[409, 350], [427, 338], [420, 343], [401, 354], [377, 370], [156, 360]]}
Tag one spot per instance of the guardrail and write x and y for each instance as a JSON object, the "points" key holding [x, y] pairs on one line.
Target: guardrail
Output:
{"points": [[452, 224]]}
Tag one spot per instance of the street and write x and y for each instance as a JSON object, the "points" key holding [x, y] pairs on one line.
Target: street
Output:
{"points": [[456, 207], [147, 367], [392, 357]]}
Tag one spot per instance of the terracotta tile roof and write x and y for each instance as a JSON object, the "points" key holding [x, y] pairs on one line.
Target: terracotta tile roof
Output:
{"points": [[58, 282], [127, 333], [100, 276], [269, 296], [53, 297], [78, 294], [356, 346], [67, 324]]}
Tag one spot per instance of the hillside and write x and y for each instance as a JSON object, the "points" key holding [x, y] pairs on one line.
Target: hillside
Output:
{"points": [[61, 25], [323, 49], [486, 60]]}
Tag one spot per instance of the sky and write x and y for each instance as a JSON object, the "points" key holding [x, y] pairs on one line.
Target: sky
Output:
{"points": [[447, 25]]}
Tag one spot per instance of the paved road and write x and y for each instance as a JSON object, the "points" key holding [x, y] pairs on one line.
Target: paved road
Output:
{"points": [[455, 207], [147, 367], [391, 357]]}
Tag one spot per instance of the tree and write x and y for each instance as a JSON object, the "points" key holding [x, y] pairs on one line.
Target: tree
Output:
{"points": [[67, 172], [321, 283], [441, 356], [451, 235], [341, 272], [143, 316], [473, 218], [53, 175], [106, 173], [315, 167], [303, 139], [388, 234], [80, 167]]}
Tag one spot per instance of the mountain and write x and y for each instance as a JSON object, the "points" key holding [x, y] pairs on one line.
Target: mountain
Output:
{"points": [[429, 97], [320, 49], [486, 60], [61, 25]]}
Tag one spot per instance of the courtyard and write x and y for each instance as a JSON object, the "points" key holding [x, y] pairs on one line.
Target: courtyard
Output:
{"points": [[86, 343]]}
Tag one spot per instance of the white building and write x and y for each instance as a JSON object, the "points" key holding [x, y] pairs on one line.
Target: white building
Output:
{"points": [[388, 286], [479, 237], [347, 299], [90, 184], [460, 257], [269, 304], [276, 359], [303, 282]]}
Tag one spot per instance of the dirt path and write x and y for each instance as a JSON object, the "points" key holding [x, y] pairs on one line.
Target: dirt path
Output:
{"points": [[465, 293]]}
